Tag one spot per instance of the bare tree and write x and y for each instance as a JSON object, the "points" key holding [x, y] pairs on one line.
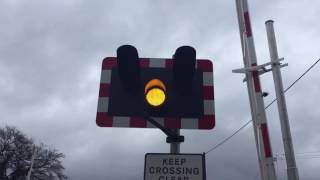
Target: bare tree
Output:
{"points": [[16, 151]]}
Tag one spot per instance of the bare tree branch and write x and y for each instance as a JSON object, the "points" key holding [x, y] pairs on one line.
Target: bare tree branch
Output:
{"points": [[16, 151]]}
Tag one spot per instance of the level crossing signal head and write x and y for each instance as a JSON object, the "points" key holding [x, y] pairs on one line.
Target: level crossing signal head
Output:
{"points": [[129, 73], [166, 88], [184, 61], [129, 68], [156, 91]]}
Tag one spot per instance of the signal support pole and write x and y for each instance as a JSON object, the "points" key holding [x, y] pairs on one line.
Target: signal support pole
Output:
{"points": [[292, 170], [175, 146]]}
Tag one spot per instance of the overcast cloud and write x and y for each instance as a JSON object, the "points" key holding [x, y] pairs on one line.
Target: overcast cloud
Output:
{"points": [[50, 61]]}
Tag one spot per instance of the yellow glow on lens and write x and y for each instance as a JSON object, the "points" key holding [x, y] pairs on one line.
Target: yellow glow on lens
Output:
{"points": [[155, 96], [155, 92]]}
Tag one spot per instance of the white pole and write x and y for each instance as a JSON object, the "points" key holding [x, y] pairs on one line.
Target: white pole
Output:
{"points": [[292, 170], [259, 117]]}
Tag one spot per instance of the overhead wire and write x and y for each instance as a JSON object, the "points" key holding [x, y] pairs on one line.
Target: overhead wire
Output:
{"points": [[247, 123], [135, 177], [303, 153], [310, 152]]}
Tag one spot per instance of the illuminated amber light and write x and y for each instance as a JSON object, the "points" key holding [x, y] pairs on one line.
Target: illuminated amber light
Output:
{"points": [[155, 92]]}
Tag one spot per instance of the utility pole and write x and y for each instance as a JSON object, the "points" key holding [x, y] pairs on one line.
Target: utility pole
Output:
{"points": [[292, 170], [252, 72]]}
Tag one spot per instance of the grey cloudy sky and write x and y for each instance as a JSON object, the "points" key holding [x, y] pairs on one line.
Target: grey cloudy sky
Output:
{"points": [[50, 58]]}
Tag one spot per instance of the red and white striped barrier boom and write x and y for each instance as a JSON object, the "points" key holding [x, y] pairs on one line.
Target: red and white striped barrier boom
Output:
{"points": [[251, 70]]}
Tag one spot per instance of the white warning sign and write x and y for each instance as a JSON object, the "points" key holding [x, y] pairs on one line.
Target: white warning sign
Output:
{"points": [[162, 166]]}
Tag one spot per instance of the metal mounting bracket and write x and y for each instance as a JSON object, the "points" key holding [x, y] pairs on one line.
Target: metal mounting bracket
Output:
{"points": [[260, 68], [172, 136]]}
